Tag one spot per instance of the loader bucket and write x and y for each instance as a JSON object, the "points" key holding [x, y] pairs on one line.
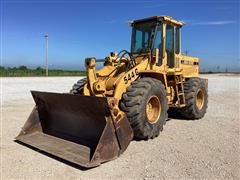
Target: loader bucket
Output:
{"points": [[79, 129]]}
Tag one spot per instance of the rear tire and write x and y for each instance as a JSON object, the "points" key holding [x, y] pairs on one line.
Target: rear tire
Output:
{"points": [[145, 104], [78, 87], [196, 98]]}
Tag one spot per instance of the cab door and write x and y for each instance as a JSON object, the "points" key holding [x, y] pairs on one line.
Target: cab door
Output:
{"points": [[170, 45]]}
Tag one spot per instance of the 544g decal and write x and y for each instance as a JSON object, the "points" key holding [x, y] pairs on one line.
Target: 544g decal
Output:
{"points": [[130, 75]]}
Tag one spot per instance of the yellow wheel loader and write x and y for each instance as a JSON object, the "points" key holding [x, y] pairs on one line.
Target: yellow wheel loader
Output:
{"points": [[127, 98]]}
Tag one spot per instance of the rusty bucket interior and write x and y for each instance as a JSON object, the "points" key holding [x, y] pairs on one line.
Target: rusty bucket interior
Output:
{"points": [[76, 128]]}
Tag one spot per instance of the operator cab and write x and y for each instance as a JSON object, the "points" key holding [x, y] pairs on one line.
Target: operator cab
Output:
{"points": [[162, 32]]}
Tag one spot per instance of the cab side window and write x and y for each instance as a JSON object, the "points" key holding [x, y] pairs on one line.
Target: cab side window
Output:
{"points": [[170, 45], [177, 40], [158, 44]]}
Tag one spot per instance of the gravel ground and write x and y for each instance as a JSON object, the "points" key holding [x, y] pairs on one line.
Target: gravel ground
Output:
{"points": [[205, 149]]}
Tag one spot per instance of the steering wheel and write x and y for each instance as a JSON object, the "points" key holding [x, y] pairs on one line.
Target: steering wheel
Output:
{"points": [[123, 54]]}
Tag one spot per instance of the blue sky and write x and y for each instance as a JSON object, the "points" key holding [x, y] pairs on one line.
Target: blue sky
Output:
{"points": [[81, 28]]}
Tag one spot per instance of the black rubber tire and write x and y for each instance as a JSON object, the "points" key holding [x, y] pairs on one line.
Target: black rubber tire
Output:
{"points": [[78, 87], [134, 102], [191, 88]]}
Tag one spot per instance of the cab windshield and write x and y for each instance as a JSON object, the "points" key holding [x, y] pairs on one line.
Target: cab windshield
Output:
{"points": [[142, 36]]}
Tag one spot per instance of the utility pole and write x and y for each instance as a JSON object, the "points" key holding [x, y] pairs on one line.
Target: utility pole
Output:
{"points": [[186, 52], [46, 55]]}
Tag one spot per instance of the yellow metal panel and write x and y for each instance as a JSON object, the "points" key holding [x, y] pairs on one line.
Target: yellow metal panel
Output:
{"points": [[126, 79], [189, 66]]}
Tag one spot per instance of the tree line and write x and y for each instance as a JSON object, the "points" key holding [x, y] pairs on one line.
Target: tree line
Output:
{"points": [[38, 71]]}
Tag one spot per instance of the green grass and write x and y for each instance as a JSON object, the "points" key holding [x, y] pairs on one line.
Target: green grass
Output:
{"points": [[23, 71]]}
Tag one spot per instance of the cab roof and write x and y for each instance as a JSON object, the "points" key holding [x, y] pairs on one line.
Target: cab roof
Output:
{"points": [[167, 19]]}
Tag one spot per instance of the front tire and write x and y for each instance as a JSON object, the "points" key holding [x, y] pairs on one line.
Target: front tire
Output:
{"points": [[145, 104]]}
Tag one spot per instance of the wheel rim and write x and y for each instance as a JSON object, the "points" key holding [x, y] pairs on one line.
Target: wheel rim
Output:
{"points": [[153, 109], [200, 99]]}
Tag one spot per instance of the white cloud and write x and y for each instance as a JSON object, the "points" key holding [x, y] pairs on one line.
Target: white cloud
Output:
{"points": [[213, 23]]}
